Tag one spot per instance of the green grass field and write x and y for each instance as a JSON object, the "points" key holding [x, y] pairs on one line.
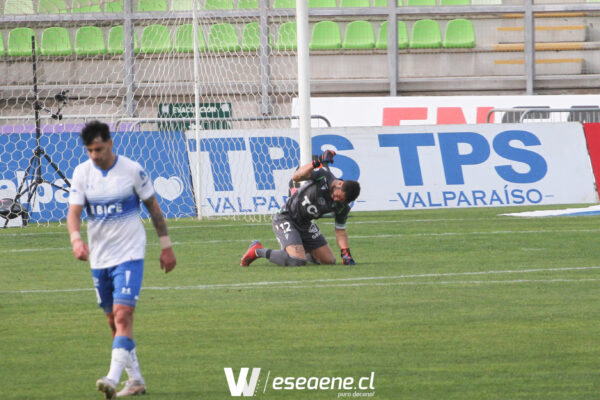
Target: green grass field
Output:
{"points": [[443, 304]]}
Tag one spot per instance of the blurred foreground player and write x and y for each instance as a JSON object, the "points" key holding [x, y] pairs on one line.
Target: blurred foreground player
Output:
{"points": [[299, 237], [111, 187]]}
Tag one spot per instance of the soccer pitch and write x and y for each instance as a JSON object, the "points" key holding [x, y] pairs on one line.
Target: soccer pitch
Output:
{"points": [[442, 304]]}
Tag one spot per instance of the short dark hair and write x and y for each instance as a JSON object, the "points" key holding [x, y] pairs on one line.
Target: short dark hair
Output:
{"points": [[351, 189], [94, 129]]}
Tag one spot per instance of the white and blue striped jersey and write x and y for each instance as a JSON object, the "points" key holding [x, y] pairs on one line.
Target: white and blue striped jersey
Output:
{"points": [[112, 200]]}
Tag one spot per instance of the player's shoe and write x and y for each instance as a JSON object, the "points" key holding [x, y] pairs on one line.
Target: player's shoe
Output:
{"points": [[250, 254], [132, 387], [106, 386]]}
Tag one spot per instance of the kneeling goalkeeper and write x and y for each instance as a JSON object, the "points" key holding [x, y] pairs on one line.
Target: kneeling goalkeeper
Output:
{"points": [[300, 238]]}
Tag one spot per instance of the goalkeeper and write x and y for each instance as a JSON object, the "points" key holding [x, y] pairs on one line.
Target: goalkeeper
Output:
{"points": [[300, 238]]}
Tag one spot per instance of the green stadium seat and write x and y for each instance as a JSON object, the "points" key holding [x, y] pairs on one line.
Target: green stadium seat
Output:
{"points": [[56, 42], [86, 6], [251, 37], [19, 42], [113, 6], [184, 39], [2, 50], [359, 36], [16, 7], [116, 44], [223, 37], [426, 34], [326, 35], [247, 4], [322, 3], [152, 5], [455, 2], [459, 34], [355, 3], [89, 41], [384, 3], [420, 3], [52, 7], [287, 36], [218, 4], [182, 5], [156, 39], [284, 4], [382, 38]]}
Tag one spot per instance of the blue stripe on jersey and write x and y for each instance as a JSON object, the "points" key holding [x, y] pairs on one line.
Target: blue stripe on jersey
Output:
{"points": [[112, 209]]}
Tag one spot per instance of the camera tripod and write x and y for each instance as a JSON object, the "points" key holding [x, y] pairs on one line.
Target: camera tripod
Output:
{"points": [[33, 173]]}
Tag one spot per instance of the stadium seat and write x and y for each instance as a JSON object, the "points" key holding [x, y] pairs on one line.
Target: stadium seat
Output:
{"points": [[86, 6], [19, 42], [322, 3], [455, 2], [420, 3], [16, 7], [223, 37], [426, 34], [359, 36], [52, 7], [2, 50], [113, 6], [355, 3], [182, 5], [184, 39], [251, 37], [284, 4], [459, 34], [287, 36], [326, 35], [115, 42], [247, 4], [218, 4], [152, 5], [156, 39], [382, 38], [384, 3], [89, 41], [56, 42]]}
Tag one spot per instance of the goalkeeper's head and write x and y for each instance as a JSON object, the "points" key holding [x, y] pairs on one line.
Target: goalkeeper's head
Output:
{"points": [[345, 191], [351, 189]]}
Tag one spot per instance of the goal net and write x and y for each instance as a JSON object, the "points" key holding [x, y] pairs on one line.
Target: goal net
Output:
{"points": [[194, 90]]}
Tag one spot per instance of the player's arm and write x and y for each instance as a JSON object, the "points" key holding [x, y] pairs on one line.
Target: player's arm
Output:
{"points": [[80, 248], [167, 256], [342, 237]]}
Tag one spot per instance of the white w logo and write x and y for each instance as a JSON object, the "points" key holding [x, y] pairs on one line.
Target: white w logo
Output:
{"points": [[242, 386]]}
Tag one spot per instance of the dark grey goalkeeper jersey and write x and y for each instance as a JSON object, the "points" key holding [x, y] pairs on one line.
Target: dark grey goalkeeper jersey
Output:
{"points": [[313, 199]]}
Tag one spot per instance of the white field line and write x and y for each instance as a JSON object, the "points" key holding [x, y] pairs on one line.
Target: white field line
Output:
{"points": [[356, 281], [150, 228], [381, 236]]}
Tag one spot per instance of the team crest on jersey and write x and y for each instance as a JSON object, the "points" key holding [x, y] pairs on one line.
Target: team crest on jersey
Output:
{"points": [[143, 175], [313, 229], [322, 201]]}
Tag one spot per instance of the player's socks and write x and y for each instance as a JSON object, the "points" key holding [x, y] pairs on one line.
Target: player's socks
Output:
{"points": [[262, 252], [281, 257], [122, 345], [133, 367]]}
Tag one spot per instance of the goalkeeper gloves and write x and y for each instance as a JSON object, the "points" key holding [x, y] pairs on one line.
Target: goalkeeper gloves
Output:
{"points": [[325, 158], [347, 257]]}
